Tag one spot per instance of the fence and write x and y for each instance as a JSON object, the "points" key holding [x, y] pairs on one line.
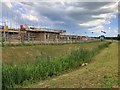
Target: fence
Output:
{"points": [[9, 39]]}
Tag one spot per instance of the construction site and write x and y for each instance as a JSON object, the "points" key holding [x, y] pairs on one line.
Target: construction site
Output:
{"points": [[25, 34]]}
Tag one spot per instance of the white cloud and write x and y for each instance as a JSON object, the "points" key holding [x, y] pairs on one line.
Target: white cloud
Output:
{"points": [[1, 23], [9, 4], [109, 28], [94, 23], [30, 17], [113, 32], [110, 6], [97, 29], [61, 0], [72, 8], [105, 16], [109, 31]]}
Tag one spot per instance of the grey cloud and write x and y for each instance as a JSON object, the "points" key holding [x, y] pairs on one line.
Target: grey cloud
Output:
{"points": [[79, 12]]}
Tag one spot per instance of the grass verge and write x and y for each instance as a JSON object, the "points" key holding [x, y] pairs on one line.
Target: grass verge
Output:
{"points": [[101, 73], [44, 67]]}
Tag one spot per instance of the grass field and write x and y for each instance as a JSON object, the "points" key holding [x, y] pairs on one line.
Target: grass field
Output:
{"points": [[30, 53], [101, 72], [42, 67]]}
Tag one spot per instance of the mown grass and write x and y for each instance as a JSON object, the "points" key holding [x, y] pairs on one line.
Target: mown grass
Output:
{"points": [[45, 67]]}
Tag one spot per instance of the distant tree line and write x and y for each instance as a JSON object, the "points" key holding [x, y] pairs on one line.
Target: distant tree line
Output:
{"points": [[113, 38], [118, 37]]}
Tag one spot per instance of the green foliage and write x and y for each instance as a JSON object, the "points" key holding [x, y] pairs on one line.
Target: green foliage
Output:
{"points": [[22, 44], [118, 37], [45, 67]]}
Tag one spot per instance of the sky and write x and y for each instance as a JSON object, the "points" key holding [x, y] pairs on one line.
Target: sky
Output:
{"points": [[76, 17]]}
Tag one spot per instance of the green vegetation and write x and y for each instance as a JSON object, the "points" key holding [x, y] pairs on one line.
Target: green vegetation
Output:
{"points": [[118, 37], [23, 54], [45, 67], [101, 72]]}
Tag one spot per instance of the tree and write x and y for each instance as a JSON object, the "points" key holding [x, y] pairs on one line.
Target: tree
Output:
{"points": [[118, 37]]}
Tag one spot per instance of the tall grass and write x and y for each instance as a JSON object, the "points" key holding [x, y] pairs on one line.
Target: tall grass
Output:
{"points": [[45, 67]]}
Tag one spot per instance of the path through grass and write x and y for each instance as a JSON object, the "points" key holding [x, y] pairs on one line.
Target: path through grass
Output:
{"points": [[101, 72]]}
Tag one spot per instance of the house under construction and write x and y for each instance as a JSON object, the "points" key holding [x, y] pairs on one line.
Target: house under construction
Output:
{"points": [[25, 34]]}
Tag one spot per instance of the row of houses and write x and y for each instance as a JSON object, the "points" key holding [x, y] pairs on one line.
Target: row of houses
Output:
{"points": [[43, 34], [39, 34]]}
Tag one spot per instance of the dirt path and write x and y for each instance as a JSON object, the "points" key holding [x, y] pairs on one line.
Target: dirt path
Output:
{"points": [[102, 72]]}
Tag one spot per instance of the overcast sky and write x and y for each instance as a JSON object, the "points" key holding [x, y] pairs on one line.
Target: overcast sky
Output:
{"points": [[80, 18]]}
